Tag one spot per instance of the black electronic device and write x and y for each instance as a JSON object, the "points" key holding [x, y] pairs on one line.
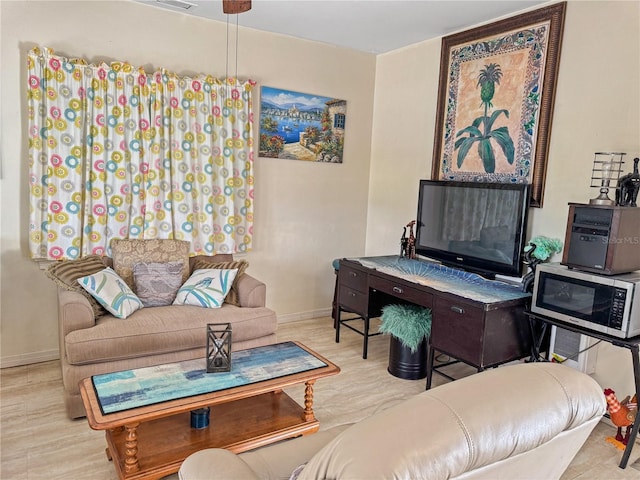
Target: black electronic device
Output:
{"points": [[478, 227], [602, 239]]}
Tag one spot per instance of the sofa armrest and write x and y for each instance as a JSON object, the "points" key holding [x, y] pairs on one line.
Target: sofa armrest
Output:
{"points": [[251, 292], [74, 312]]}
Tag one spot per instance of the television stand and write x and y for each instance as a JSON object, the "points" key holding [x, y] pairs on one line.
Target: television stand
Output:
{"points": [[474, 320]]}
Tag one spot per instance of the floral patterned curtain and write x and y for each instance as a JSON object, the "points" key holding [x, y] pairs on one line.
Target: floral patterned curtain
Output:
{"points": [[115, 152]]}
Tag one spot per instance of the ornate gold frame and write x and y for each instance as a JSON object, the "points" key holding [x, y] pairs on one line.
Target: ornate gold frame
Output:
{"points": [[478, 42]]}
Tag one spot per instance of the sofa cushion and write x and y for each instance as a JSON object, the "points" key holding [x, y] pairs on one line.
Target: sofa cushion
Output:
{"points": [[206, 288], [66, 273], [112, 293], [157, 284], [217, 258], [160, 330], [127, 253], [241, 266]]}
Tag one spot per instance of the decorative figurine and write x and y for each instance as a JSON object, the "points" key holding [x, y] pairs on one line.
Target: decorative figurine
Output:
{"points": [[404, 241], [628, 187], [619, 415], [411, 243]]}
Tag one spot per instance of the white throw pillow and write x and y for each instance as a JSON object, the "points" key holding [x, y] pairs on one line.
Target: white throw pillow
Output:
{"points": [[112, 292], [206, 288]]}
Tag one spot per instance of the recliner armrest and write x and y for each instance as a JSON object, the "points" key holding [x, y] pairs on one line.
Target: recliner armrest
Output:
{"points": [[251, 292], [215, 463], [277, 461]]}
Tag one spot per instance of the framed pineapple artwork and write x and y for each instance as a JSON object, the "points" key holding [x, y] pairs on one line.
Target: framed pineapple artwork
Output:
{"points": [[495, 100]]}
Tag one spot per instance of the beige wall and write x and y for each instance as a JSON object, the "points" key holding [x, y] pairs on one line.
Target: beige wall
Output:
{"points": [[597, 108], [306, 214]]}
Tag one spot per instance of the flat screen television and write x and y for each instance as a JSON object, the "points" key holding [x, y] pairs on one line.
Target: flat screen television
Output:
{"points": [[478, 227]]}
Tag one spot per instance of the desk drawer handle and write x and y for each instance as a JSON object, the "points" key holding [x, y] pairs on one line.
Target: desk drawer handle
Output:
{"points": [[351, 294], [459, 310], [397, 290], [353, 274]]}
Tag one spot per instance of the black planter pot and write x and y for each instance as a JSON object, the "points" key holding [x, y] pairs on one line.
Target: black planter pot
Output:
{"points": [[405, 364]]}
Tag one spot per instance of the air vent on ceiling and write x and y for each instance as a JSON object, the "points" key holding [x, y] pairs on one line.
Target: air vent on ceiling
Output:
{"points": [[177, 4]]}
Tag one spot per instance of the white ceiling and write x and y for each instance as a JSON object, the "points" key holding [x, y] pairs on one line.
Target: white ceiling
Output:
{"points": [[374, 26]]}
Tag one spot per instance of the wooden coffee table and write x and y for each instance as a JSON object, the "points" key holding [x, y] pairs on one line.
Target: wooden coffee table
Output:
{"points": [[151, 441]]}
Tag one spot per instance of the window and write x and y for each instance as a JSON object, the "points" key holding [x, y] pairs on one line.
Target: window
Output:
{"points": [[118, 153]]}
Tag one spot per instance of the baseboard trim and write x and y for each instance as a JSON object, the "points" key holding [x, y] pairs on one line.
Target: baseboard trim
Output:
{"points": [[29, 358], [296, 317]]}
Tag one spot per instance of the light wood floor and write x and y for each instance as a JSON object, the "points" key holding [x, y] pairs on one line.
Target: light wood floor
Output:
{"points": [[39, 442]]}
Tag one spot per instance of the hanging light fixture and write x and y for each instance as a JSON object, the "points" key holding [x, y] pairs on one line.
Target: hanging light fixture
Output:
{"points": [[231, 7], [234, 7]]}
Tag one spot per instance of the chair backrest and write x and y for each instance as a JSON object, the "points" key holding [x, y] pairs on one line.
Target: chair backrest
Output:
{"points": [[489, 423], [126, 253]]}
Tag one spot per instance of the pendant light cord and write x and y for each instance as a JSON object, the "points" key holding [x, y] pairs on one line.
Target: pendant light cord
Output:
{"points": [[226, 66], [226, 71], [237, 36]]}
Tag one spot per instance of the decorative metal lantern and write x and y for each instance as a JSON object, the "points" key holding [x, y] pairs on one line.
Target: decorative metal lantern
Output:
{"points": [[218, 347]]}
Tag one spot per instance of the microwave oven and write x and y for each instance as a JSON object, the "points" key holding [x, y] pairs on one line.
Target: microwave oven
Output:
{"points": [[604, 303]]}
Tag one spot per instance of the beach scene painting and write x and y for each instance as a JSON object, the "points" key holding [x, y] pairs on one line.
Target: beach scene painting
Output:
{"points": [[301, 126]]}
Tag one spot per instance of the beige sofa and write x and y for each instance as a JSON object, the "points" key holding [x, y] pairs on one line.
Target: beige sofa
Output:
{"points": [[91, 344], [520, 421]]}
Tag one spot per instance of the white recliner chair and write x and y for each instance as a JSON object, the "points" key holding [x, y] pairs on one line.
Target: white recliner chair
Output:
{"points": [[524, 421]]}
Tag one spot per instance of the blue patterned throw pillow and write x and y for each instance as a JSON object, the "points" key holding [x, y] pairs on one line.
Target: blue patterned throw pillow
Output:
{"points": [[112, 292], [206, 288]]}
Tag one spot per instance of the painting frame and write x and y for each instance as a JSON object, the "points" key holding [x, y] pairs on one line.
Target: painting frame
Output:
{"points": [[533, 127], [301, 126]]}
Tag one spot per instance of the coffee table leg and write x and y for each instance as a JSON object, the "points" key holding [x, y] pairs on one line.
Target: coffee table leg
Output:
{"points": [[131, 448], [308, 415], [109, 434]]}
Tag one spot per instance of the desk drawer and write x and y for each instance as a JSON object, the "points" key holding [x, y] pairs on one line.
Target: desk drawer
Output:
{"points": [[354, 278], [353, 300], [458, 329], [400, 290]]}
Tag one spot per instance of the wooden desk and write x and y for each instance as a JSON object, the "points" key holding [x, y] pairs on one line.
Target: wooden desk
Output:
{"points": [[481, 333], [539, 324]]}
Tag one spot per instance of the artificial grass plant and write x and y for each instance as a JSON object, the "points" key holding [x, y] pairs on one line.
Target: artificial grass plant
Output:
{"points": [[409, 323]]}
